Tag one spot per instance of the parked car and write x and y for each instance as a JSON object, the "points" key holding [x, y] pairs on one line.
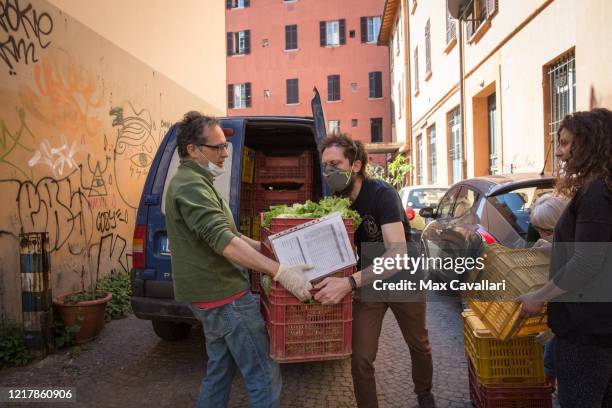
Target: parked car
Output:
{"points": [[151, 275], [416, 197], [481, 211]]}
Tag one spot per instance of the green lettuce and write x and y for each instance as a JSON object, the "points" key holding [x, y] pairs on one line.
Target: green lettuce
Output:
{"points": [[311, 209]]}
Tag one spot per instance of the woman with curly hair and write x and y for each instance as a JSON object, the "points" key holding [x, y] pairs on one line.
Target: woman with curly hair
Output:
{"points": [[579, 291]]}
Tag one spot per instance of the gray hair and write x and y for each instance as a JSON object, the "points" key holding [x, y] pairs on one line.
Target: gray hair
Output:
{"points": [[547, 210], [192, 130]]}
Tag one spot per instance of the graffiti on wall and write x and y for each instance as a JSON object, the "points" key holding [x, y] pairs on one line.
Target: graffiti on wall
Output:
{"points": [[58, 206], [56, 158], [135, 146], [65, 97], [98, 183], [109, 220], [13, 140], [24, 31]]}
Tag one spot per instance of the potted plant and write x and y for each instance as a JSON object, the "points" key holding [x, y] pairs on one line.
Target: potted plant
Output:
{"points": [[85, 309]]}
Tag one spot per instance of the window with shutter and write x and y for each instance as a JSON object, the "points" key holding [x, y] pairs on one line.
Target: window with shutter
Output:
{"points": [[479, 12], [372, 29], [230, 44], [451, 27], [375, 81], [364, 29], [342, 31], [291, 37], [333, 88], [323, 33], [230, 96], [332, 29], [247, 94], [292, 91], [247, 42], [334, 127], [237, 4], [376, 133]]}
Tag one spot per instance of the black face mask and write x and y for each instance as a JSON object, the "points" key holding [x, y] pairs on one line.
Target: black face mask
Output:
{"points": [[339, 181]]}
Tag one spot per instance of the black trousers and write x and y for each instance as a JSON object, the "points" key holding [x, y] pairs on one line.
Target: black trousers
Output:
{"points": [[584, 375]]}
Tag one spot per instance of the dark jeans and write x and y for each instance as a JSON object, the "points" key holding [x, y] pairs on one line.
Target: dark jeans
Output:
{"points": [[584, 375], [236, 338], [367, 325], [549, 359]]}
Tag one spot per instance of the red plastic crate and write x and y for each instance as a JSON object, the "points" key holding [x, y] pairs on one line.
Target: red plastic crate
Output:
{"points": [[266, 198], [284, 169], [487, 396], [308, 334], [255, 281]]}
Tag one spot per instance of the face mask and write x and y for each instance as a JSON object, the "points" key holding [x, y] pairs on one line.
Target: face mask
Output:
{"points": [[215, 170], [340, 181]]}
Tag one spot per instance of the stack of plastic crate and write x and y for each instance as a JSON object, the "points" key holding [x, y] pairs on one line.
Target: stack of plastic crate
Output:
{"points": [[247, 203], [299, 331], [504, 374], [283, 179]]}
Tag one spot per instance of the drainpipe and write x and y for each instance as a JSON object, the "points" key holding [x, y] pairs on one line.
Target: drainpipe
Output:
{"points": [[462, 102], [408, 73]]}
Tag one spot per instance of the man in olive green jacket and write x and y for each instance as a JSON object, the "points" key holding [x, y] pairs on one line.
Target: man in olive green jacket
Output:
{"points": [[209, 261]]}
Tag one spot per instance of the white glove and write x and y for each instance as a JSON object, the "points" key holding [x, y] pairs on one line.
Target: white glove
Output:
{"points": [[293, 278]]}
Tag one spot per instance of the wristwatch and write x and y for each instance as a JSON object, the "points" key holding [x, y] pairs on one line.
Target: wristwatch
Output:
{"points": [[353, 282]]}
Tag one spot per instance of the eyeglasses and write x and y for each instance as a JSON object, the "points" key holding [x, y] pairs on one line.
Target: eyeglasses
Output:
{"points": [[219, 148]]}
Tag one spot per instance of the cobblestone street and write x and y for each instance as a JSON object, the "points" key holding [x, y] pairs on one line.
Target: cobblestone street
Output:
{"points": [[128, 366]]}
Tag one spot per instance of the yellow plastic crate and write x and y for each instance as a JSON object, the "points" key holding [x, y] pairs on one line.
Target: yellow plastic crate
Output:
{"points": [[504, 321], [246, 226], [248, 165], [518, 361], [255, 228], [523, 270]]}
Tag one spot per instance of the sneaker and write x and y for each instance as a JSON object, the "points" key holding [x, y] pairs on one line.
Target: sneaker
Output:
{"points": [[426, 401]]}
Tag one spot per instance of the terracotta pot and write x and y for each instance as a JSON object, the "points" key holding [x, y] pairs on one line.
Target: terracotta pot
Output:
{"points": [[91, 311]]}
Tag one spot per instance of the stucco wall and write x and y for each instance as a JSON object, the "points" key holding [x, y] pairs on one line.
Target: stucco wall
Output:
{"points": [[510, 58], [183, 40], [80, 121]]}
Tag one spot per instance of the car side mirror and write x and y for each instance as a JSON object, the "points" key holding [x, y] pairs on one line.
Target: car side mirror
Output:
{"points": [[427, 212]]}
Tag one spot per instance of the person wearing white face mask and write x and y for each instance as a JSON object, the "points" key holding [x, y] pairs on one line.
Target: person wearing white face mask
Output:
{"points": [[209, 267]]}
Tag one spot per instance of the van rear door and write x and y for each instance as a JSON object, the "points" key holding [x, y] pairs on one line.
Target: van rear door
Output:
{"points": [[229, 184], [320, 132]]}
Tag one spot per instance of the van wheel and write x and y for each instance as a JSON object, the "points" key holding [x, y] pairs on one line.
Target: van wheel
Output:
{"points": [[171, 331]]}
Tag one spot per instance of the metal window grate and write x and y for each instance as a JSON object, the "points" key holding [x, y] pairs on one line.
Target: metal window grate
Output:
{"points": [[456, 145], [562, 84], [433, 174], [420, 178], [451, 27]]}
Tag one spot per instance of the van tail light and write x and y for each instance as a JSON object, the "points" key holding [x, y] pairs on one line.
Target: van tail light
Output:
{"points": [[488, 238], [410, 213], [139, 246]]}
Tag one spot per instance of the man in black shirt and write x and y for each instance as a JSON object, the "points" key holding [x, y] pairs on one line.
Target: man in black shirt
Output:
{"points": [[383, 222]]}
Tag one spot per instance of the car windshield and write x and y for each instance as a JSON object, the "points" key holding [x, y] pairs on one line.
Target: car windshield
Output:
{"points": [[514, 206], [425, 197]]}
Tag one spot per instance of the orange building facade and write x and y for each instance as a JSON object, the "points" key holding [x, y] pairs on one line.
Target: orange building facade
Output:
{"points": [[278, 51]]}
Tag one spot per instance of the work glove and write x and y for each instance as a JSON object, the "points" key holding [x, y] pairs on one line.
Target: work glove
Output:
{"points": [[293, 278]]}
